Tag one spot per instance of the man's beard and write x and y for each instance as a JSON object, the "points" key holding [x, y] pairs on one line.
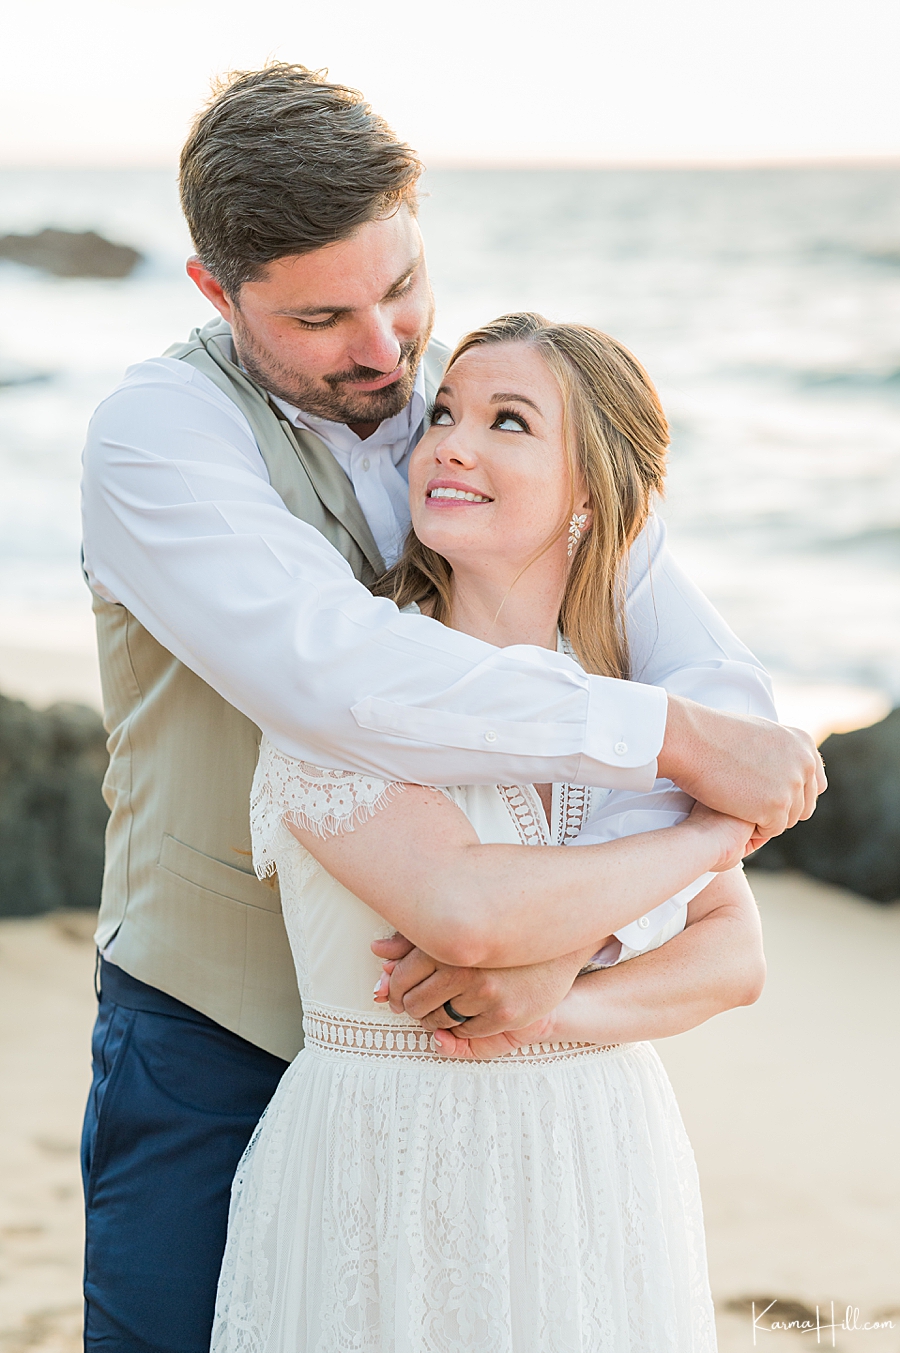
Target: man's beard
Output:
{"points": [[332, 397]]}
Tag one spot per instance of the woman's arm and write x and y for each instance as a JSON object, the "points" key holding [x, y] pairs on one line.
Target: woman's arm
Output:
{"points": [[715, 964], [419, 863]]}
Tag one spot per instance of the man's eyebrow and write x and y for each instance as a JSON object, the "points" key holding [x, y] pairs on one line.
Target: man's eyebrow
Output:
{"points": [[521, 399], [398, 282], [309, 311], [313, 311]]}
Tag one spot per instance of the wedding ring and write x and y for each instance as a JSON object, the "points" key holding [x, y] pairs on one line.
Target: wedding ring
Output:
{"points": [[454, 1014]]}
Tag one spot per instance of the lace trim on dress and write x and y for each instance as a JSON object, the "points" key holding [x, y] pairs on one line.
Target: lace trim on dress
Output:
{"points": [[343, 1032], [322, 801], [570, 809], [529, 822], [573, 804]]}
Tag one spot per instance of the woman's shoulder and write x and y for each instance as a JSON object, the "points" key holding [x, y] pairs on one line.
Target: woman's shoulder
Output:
{"points": [[325, 801], [329, 797], [319, 798]]}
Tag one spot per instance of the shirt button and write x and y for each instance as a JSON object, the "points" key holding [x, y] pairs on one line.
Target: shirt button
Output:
{"points": [[620, 748], [490, 736], [366, 463], [644, 922]]}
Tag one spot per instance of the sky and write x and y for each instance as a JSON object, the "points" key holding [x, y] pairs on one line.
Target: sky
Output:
{"points": [[103, 82]]}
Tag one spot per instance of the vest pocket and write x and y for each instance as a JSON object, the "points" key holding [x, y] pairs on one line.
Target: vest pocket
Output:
{"points": [[215, 877]]}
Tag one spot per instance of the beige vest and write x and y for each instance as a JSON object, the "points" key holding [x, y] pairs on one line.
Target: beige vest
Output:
{"points": [[188, 914]]}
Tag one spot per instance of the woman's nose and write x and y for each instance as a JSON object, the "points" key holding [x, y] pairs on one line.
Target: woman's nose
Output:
{"points": [[453, 449]]}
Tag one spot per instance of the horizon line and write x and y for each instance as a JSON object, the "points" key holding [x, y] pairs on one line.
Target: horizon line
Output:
{"points": [[509, 163]]}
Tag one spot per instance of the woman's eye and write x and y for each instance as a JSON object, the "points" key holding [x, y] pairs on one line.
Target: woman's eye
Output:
{"points": [[441, 418], [510, 422]]}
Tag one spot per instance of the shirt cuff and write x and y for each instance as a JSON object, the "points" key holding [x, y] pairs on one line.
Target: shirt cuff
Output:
{"points": [[626, 726], [639, 934]]}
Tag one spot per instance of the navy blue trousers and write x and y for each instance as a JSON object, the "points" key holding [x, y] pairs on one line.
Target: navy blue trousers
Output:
{"points": [[174, 1101]]}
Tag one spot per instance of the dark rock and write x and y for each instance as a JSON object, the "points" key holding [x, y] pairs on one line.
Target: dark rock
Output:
{"points": [[853, 838], [70, 253], [52, 815], [13, 373]]}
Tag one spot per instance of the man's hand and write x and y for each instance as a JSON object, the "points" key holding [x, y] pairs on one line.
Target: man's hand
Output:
{"points": [[496, 1000], [745, 767]]}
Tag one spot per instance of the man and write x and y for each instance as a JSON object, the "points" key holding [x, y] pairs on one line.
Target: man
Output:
{"points": [[238, 492]]}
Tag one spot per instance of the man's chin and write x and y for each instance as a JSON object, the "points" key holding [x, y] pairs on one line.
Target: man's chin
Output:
{"points": [[373, 406]]}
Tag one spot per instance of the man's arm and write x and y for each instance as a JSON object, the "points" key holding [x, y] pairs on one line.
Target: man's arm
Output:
{"points": [[746, 765], [678, 640], [182, 527]]}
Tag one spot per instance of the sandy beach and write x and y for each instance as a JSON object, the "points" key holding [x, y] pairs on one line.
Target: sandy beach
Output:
{"points": [[792, 1106]]}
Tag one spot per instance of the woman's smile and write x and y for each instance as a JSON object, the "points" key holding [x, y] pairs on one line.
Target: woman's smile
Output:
{"points": [[444, 493]]}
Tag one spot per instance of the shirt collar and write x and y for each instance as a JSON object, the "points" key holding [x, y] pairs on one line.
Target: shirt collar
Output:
{"points": [[393, 434]]}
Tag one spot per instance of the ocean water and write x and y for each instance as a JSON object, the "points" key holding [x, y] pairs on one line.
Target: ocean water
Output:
{"points": [[764, 303]]}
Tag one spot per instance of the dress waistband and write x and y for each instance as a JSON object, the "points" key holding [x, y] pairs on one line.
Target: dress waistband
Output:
{"points": [[345, 1032]]}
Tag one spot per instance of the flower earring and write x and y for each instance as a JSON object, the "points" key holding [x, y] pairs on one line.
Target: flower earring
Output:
{"points": [[576, 527]]}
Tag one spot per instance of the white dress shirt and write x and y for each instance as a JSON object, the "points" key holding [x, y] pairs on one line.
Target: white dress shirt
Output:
{"points": [[377, 467], [182, 526]]}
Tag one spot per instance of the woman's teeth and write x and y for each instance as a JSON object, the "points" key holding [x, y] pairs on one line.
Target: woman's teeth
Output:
{"points": [[458, 493]]}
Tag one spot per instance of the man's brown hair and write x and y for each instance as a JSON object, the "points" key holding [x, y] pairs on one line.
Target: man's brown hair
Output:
{"points": [[283, 162]]}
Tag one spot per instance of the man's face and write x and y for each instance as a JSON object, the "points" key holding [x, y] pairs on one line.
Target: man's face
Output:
{"points": [[338, 332]]}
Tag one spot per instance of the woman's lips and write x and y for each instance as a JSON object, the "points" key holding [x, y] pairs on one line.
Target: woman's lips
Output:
{"points": [[454, 495]]}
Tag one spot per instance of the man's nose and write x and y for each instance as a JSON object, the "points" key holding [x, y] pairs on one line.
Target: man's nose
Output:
{"points": [[376, 345]]}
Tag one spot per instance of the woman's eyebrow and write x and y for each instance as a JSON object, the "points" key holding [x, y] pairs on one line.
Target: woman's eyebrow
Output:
{"points": [[521, 399]]}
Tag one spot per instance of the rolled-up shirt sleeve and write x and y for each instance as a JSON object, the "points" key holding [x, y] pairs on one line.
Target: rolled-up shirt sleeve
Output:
{"points": [[182, 527], [679, 641]]}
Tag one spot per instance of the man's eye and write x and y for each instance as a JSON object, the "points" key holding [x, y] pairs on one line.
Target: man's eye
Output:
{"points": [[318, 323], [441, 418], [510, 422]]}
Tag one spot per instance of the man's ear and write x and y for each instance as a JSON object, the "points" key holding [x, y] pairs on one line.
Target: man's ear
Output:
{"points": [[205, 282]]}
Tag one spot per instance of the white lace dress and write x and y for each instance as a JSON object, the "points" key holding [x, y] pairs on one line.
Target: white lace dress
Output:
{"points": [[392, 1201]]}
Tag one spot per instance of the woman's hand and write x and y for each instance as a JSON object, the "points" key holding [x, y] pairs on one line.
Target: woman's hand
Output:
{"points": [[495, 1000], [733, 837]]}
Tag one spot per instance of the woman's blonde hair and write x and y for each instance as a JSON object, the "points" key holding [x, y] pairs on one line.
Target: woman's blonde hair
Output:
{"points": [[616, 438]]}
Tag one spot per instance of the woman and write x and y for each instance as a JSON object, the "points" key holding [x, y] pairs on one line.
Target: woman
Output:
{"points": [[400, 1200]]}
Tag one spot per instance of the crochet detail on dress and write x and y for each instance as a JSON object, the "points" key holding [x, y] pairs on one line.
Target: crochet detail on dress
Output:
{"points": [[322, 801], [345, 1032], [573, 802], [519, 800]]}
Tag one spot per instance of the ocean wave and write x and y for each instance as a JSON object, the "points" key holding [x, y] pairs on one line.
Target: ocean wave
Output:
{"points": [[862, 379]]}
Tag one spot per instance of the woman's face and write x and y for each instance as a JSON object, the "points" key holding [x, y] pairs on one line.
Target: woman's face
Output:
{"points": [[489, 482]]}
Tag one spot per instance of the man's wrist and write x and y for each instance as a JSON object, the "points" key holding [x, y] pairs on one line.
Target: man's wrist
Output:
{"points": [[671, 760]]}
